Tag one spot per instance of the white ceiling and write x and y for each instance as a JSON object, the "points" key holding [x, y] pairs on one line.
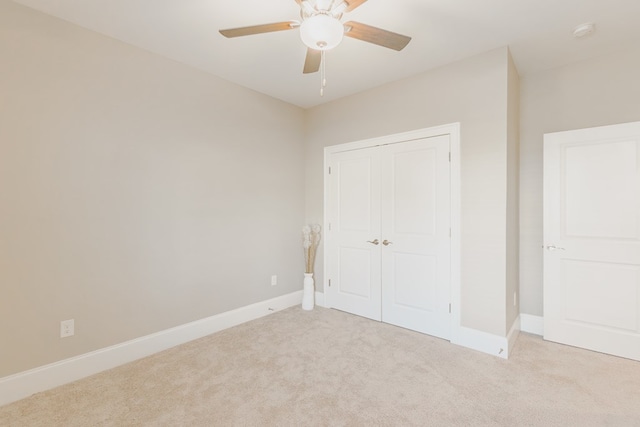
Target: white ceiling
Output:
{"points": [[538, 32]]}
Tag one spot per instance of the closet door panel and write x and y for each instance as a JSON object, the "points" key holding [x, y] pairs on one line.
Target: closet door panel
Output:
{"points": [[354, 217], [415, 219]]}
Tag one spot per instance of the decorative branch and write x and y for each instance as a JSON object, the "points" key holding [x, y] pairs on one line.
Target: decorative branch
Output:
{"points": [[310, 242]]}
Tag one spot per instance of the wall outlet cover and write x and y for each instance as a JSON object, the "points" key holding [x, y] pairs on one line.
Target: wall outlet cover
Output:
{"points": [[67, 328]]}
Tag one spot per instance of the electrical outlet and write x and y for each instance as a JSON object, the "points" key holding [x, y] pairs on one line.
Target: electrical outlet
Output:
{"points": [[274, 280], [67, 328]]}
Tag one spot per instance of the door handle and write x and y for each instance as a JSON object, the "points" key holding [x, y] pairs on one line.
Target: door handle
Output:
{"points": [[552, 248], [375, 242], [386, 242]]}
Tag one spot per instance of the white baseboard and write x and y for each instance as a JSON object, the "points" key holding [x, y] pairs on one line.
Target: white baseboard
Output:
{"points": [[481, 341], [24, 384], [532, 324]]}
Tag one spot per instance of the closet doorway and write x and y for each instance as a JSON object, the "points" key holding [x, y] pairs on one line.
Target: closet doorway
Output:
{"points": [[388, 248]]}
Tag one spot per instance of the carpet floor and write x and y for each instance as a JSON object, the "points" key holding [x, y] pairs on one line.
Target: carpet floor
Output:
{"points": [[329, 368]]}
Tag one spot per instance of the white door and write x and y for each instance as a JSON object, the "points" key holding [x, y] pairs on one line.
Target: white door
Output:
{"points": [[354, 256], [592, 239], [389, 250], [415, 235]]}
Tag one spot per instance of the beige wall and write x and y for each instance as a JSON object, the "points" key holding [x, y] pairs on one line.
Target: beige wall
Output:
{"points": [[513, 172], [474, 93], [596, 92], [134, 192]]}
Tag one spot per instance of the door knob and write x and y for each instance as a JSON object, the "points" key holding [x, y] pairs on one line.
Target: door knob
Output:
{"points": [[375, 242], [386, 242], [552, 248]]}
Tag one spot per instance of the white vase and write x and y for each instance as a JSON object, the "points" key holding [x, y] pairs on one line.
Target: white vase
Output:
{"points": [[308, 292]]}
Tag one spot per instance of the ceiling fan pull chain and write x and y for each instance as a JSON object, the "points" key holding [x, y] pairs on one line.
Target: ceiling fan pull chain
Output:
{"points": [[323, 72], [324, 68]]}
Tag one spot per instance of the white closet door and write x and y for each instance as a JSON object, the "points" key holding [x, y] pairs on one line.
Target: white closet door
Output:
{"points": [[354, 213], [415, 235], [592, 239]]}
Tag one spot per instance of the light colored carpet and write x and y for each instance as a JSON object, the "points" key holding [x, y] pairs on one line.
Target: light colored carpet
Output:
{"points": [[328, 368]]}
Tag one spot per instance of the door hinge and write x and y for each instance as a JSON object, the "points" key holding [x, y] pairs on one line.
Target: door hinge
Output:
{"points": [[329, 282], [449, 156], [449, 308], [329, 170], [329, 226]]}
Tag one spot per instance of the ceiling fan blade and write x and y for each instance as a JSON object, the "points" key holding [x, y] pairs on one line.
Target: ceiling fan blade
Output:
{"points": [[352, 4], [259, 29], [312, 62], [375, 35]]}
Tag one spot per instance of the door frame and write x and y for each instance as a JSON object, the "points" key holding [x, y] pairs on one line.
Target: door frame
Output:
{"points": [[453, 130]]}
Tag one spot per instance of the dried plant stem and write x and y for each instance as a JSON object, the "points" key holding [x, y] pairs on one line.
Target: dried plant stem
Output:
{"points": [[311, 240]]}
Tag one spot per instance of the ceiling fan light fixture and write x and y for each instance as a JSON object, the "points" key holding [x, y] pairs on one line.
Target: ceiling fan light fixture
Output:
{"points": [[321, 32]]}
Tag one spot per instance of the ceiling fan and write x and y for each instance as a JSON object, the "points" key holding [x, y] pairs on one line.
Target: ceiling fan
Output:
{"points": [[321, 29]]}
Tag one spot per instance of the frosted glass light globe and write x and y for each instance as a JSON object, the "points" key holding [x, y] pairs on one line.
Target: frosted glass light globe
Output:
{"points": [[321, 32]]}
